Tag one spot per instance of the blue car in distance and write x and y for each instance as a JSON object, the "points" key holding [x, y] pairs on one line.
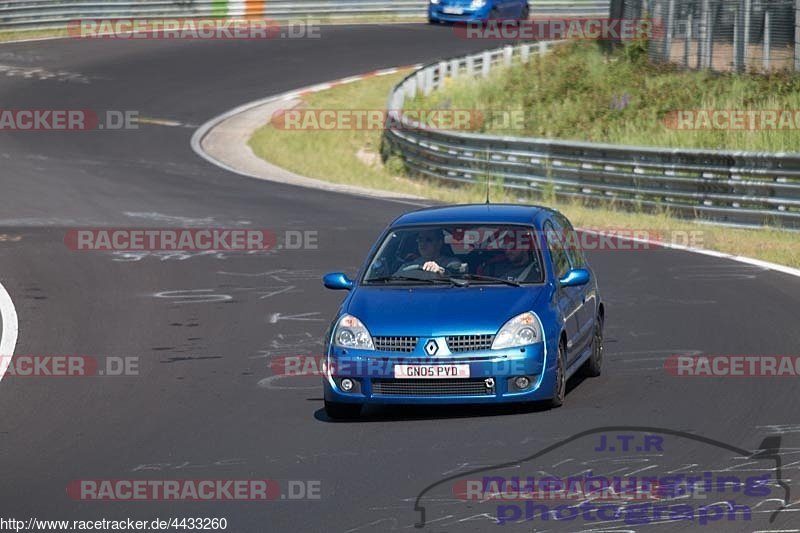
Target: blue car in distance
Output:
{"points": [[476, 10], [475, 304]]}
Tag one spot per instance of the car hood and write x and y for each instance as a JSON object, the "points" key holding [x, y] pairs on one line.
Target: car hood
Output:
{"points": [[438, 311]]}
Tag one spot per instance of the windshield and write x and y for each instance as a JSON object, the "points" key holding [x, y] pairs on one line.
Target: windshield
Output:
{"points": [[478, 253]]}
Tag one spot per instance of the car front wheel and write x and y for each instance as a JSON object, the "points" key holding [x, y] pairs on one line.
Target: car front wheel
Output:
{"points": [[560, 388], [594, 365]]}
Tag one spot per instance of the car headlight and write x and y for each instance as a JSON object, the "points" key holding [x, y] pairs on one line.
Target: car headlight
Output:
{"points": [[351, 333], [476, 4], [521, 330], [434, 1]]}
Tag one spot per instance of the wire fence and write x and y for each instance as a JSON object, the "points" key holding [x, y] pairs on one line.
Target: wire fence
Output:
{"points": [[720, 35]]}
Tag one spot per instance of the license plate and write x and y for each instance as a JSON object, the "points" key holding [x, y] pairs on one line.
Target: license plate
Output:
{"points": [[430, 371], [453, 10]]}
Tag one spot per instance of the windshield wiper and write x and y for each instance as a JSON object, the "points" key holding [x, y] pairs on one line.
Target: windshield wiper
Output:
{"points": [[406, 278], [478, 277]]}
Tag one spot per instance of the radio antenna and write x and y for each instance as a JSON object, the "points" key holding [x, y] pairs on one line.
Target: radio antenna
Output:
{"points": [[486, 153]]}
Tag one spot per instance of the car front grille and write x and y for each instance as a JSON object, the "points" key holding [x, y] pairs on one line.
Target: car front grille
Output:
{"points": [[430, 387], [469, 343], [395, 344]]}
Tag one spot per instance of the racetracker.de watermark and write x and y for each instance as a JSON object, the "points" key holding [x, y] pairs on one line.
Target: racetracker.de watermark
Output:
{"points": [[67, 120], [550, 29], [379, 367], [155, 239], [733, 366], [193, 489], [297, 119], [733, 119], [69, 366], [193, 29], [596, 488], [585, 239]]}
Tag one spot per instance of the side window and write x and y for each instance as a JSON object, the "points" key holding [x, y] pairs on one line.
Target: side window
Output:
{"points": [[572, 243], [556, 247]]}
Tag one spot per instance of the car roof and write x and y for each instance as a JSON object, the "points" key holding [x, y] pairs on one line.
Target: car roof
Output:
{"points": [[475, 213]]}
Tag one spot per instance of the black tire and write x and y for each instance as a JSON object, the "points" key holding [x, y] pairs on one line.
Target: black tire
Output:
{"points": [[593, 366], [560, 387], [342, 411], [432, 22]]}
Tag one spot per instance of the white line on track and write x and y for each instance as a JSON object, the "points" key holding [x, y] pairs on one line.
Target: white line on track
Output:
{"points": [[8, 335], [202, 131], [702, 251]]}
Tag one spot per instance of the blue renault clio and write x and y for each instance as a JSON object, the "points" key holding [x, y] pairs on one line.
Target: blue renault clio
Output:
{"points": [[476, 10], [465, 304]]}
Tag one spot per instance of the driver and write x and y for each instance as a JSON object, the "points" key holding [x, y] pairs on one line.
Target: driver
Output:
{"points": [[431, 258]]}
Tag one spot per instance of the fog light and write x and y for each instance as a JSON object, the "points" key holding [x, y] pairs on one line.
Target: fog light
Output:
{"points": [[347, 385], [522, 382]]}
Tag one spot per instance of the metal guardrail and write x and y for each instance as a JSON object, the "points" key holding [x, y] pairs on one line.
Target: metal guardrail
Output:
{"points": [[43, 14], [748, 188]]}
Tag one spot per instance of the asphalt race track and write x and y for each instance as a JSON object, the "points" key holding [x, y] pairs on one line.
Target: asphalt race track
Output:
{"points": [[205, 327]]}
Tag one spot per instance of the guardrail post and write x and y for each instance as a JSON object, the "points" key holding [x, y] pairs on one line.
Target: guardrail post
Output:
{"points": [[399, 100], [420, 78], [428, 87], [442, 73], [454, 68], [471, 64], [543, 45], [508, 54], [525, 53], [411, 87], [486, 64], [765, 52]]}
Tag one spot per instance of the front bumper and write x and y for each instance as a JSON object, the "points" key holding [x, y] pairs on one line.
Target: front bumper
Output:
{"points": [[373, 375]]}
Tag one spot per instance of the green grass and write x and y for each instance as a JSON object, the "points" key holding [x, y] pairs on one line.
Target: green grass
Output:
{"points": [[350, 156], [334, 155], [19, 35], [578, 92]]}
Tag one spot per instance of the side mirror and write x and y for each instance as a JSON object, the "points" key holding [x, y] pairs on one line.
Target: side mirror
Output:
{"points": [[575, 278], [337, 281]]}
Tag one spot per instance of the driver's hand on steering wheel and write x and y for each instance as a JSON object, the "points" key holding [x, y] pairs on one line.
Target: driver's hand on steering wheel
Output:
{"points": [[433, 266]]}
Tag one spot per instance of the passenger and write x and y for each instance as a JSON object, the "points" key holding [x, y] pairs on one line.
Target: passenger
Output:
{"points": [[516, 266]]}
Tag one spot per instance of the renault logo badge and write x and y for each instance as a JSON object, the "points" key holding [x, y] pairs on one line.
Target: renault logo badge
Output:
{"points": [[431, 347]]}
